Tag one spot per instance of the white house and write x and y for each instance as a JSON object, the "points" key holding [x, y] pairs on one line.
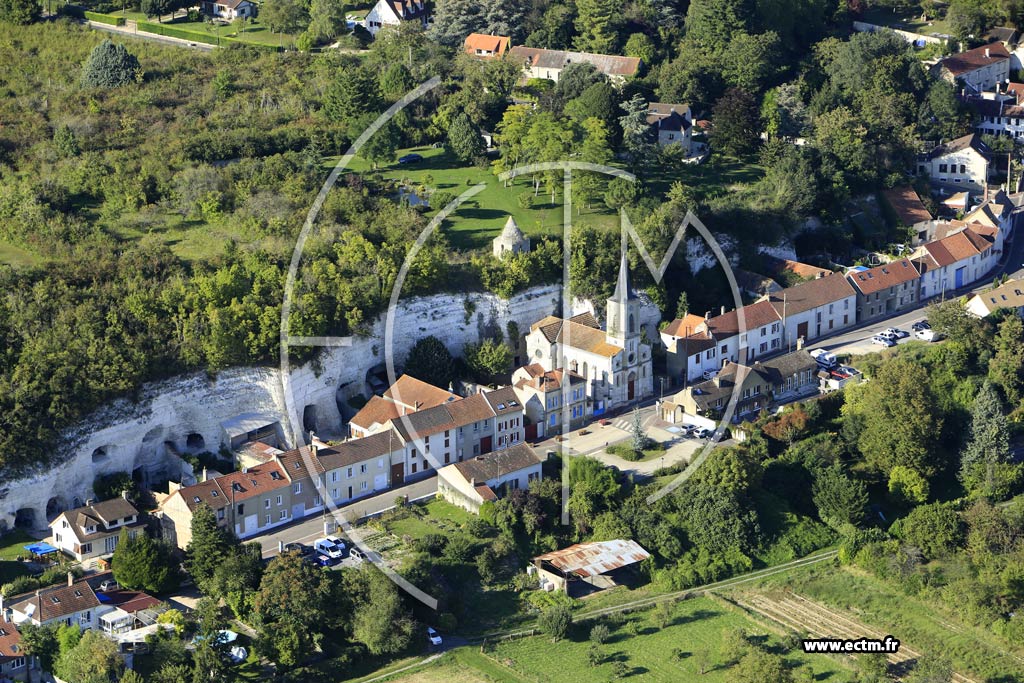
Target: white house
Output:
{"points": [[978, 69], [956, 260], [960, 164], [672, 123], [228, 10], [543, 63], [93, 530], [73, 603], [471, 483], [614, 363], [1008, 295], [815, 308], [394, 12]]}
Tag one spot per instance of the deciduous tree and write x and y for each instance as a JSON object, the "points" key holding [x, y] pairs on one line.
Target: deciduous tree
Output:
{"points": [[291, 608], [736, 122]]}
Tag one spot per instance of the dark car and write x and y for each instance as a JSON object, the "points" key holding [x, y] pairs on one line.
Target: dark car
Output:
{"points": [[324, 561], [921, 325], [299, 548], [410, 159]]}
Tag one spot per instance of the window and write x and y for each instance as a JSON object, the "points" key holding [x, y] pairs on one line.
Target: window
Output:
{"points": [[942, 168], [279, 500], [348, 472], [414, 468], [963, 168], [362, 486], [284, 514], [334, 475], [266, 504], [241, 508], [220, 514], [317, 501], [86, 548], [267, 518], [298, 487], [362, 468]]}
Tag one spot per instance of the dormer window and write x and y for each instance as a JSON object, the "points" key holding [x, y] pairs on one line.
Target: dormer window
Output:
{"points": [[55, 600], [214, 494]]}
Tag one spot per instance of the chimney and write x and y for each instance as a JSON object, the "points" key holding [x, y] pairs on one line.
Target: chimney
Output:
{"points": [[71, 579], [707, 315], [204, 475], [312, 443], [987, 55], [124, 494], [90, 501], [472, 481], [723, 310]]}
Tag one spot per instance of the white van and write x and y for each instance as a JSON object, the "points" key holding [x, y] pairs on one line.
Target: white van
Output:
{"points": [[331, 547], [824, 358]]}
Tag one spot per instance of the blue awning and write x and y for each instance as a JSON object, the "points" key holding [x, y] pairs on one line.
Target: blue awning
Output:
{"points": [[40, 548]]}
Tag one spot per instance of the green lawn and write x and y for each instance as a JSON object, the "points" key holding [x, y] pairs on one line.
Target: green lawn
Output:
{"points": [[435, 517], [255, 32], [718, 175], [922, 626], [12, 544], [906, 21], [480, 220], [673, 653], [17, 256]]}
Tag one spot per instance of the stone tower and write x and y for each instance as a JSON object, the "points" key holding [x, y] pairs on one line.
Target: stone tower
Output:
{"points": [[511, 240], [624, 314]]}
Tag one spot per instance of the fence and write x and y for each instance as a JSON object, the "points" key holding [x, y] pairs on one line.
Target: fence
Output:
{"points": [[80, 13]]}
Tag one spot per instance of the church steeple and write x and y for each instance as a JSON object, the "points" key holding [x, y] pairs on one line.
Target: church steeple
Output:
{"points": [[623, 309]]}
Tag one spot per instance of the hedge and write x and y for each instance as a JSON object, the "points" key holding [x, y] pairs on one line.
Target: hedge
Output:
{"points": [[93, 16], [198, 37]]}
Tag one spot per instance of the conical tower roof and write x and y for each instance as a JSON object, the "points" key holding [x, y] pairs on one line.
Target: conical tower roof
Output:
{"points": [[511, 230], [624, 285]]}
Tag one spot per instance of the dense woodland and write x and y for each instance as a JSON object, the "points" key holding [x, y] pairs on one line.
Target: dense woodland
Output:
{"points": [[150, 197]]}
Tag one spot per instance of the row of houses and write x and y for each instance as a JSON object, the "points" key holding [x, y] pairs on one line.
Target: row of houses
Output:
{"points": [[126, 617], [785, 319]]}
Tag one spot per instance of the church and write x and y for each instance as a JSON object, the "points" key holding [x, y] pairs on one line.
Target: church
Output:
{"points": [[614, 363]]}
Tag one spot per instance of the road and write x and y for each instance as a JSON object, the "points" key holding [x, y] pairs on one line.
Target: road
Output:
{"points": [[312, 528]]}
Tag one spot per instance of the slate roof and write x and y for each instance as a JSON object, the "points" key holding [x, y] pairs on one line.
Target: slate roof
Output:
{"points": [[503, 401], [707, 393], [965, 62], [424, 423], [884, 276], [469, 410], [776, 370], [101, 515], [972, 141], [670, 117], [497, 464], [296, 463], [10, 641]]}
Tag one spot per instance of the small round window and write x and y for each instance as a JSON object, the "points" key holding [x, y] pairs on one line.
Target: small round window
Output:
{"points": [[632, 357]]}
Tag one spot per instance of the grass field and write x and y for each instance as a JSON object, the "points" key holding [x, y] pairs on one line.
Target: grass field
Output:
{"points": [[906, 21], [12, 544], [920, 625], [16, 256], [479, 220], [650, 653], [254, 32], [439, 517]]}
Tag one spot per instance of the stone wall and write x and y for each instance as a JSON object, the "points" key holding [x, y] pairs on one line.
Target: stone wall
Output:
{"points": [[134, 435]]}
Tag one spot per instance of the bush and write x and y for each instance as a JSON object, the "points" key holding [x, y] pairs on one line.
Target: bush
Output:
{"points": [[433, 544], [555, 621], [21, 584], [600, 634], [624, 451], [479, 528]]}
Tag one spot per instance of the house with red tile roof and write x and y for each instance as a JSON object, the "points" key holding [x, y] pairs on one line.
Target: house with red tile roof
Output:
{"points": [[406, 395], [815, 308], [93, 530], [906, 205], [486, 46], [955, 261], [473, 482], [541, 62], [14, 663], [886, 289]]}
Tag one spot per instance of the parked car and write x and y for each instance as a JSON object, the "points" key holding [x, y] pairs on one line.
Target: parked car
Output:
{"points": [[825, 359], [927, 335], [108, 585], [702, 433], [410, 159], [896, 332], [299, 548], [710, 374], [433, 636], [331, 547], [322, 560], [879, 340], [238, 654], [920, 325], [687, 430], [357, 553], [886, 334]]}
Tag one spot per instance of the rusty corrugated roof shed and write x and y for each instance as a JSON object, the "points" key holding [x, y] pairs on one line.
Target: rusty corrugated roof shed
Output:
{"points": [[592, 559]]}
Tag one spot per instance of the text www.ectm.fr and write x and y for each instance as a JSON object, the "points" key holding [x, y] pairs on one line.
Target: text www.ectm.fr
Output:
{"points": [[886, 645]]}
